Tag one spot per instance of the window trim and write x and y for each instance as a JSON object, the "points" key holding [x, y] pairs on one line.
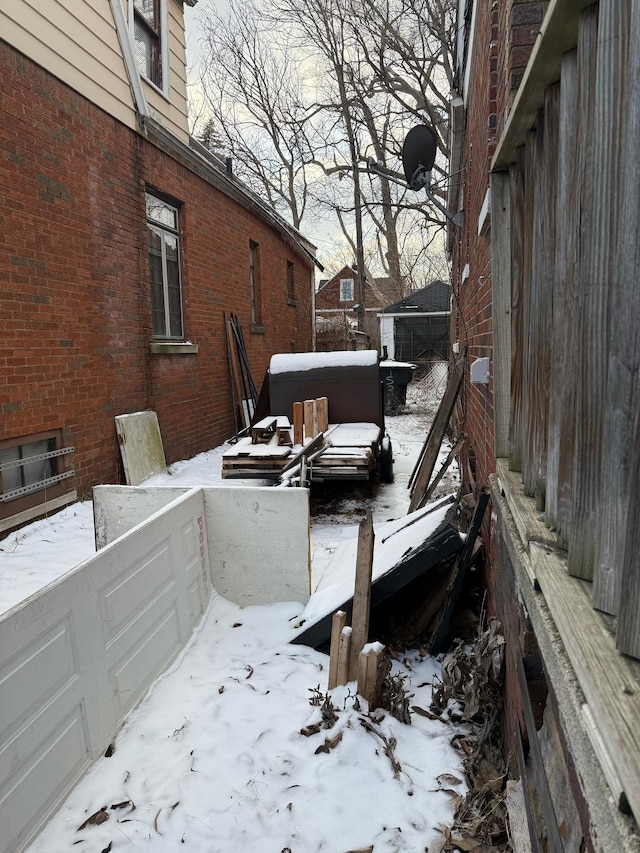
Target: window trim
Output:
{"points": [[162, 228], [163, 47]]}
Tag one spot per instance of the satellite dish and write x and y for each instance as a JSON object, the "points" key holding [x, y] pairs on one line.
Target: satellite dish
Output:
{"points": [[418, 156]]}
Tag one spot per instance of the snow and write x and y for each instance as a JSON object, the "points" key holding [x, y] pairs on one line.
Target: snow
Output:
{"points": [[291, 362], [214, 759]]}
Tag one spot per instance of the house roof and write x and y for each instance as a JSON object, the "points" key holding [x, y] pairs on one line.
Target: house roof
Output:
{"points": [[432, 299]]}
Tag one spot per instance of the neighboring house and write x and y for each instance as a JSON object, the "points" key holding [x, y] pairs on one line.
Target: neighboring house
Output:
{"points": [[416, 328], [124, 242], [545, 152], [339, 300]]}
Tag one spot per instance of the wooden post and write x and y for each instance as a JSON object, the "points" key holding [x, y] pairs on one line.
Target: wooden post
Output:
{"points": [[362, 593], [337, 624], [370, 673], [344, 650], [322, 410], [310, 419], [298, 423]]}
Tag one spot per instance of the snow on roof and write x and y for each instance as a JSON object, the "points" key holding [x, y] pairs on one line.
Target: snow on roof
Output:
{"points": [[297, 361]]}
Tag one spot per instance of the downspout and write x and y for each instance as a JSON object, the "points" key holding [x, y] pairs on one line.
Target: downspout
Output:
{"points": [[135, 81]]}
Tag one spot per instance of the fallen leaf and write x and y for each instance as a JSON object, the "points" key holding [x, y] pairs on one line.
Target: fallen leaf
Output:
{"points": [[110, 750], [237, 625], [329, 744], [123, 805], [422, 713], [96, 819], [108, 847], [448, 779]]}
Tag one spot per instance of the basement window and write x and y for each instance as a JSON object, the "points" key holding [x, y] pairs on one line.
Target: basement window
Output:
{"points": [[32, 471]]}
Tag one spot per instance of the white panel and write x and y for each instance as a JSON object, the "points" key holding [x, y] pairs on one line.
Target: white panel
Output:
{"points": [[117, 509], [76, 658], [259, 544], [147, 659]]}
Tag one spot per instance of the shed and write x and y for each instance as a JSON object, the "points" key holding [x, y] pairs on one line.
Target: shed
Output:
{"points": [[416, 328]]}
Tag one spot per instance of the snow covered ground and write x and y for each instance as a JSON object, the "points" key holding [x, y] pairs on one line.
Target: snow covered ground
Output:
{"points": [[231, 750]]}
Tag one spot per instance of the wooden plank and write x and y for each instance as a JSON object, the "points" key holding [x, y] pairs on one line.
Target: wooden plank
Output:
{"points": [[298, 423], [610, 773], [310, 419], [563, 321], [501, 309], [236, 377], [362, 593], [538, 370], [608, 680], [527, 518], [371, 674], [337, 624], [621, 403], [429, 455], [554, 842], [344, 656], [516, 431], [322, 410], [455, 450], [627, 361], [586, 407]]}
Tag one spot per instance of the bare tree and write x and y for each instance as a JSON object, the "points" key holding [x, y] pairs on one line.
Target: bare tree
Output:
{"points": [[303, 92]]}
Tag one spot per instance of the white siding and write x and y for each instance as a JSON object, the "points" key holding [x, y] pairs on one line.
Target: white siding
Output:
{"points": [[77, 41]]}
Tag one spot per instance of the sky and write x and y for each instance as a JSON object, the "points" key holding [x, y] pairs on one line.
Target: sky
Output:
{"points": [[227, 751]]}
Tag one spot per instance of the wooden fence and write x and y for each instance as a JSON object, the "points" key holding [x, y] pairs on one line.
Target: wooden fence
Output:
{"points": [[566, 253]]}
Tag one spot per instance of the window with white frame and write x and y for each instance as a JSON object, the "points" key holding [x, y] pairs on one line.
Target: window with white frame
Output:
{"points": [[163, 241], [346, 290], [147, 21]]}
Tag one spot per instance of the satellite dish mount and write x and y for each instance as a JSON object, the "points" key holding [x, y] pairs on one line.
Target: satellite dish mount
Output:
{"points": [[418, 157]]}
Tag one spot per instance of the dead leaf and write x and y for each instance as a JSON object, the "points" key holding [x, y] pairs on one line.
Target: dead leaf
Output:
{"points": [[110, 750], [96, 819], [329, 743], [362, 850], [448, 779], [307, 731], [423, 713], [107, 848], [249, 670], [123, 805], [466, 844], [237, 625]]}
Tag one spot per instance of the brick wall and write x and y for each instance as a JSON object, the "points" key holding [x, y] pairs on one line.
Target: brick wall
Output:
{"points": [[75, 297]]}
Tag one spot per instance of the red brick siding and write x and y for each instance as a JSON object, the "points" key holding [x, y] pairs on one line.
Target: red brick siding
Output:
{"points": [[75, 294]]}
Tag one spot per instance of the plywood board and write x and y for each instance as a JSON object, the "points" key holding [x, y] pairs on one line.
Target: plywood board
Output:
{"points": [[140, 446]]}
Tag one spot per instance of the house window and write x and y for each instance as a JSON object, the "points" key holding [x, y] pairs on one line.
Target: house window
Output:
{"points": [[291, 290], [31, 471], [147, 39], [254, 282], [164, 267], [346, 290]]}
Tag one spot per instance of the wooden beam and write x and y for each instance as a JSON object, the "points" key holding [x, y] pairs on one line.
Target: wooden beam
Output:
{"points": [[310, 419], [298, 423], [607, 679], [362, 593], [425, 465], [457, 447], [371, 674], [337, 624], [322, 411], [344, 655]]}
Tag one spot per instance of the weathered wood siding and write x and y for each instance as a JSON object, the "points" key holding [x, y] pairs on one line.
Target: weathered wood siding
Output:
{"points": [[575, 324]]}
